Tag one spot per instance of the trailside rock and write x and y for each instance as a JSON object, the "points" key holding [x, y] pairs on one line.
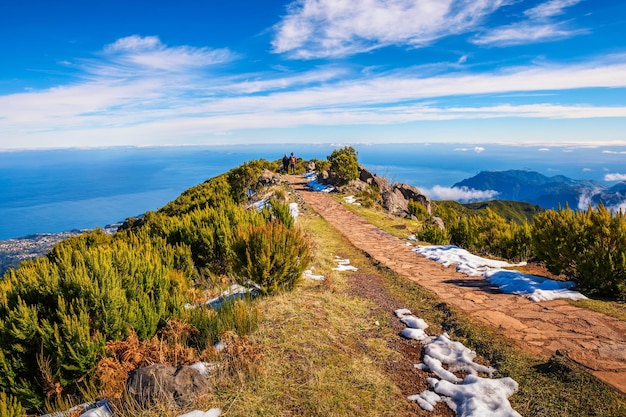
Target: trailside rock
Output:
{"points": [[159, 382], [413, 193], [269, 178]]}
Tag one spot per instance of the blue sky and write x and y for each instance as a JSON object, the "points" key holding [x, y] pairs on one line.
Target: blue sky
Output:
{"points": [[190, 72]]}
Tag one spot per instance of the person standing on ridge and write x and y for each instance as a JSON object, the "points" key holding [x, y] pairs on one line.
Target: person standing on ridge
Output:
{"points": [[285, 167], [292, 163]]}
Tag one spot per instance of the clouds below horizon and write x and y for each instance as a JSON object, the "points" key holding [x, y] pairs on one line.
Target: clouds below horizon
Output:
{"points": [[461, 194], [615, 177]]}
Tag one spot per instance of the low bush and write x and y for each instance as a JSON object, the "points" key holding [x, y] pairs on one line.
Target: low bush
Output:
{"points": [[589, 247], [271, 256]]}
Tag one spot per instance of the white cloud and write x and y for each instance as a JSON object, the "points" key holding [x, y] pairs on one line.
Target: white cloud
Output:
{"points": [[462, 194], [330, 28], [587, 170], [136, 53], [479, 149], [526, 32], [544, 149], [550, 8], [140, 90], [615, 152], [539, 26], [615, 177]]}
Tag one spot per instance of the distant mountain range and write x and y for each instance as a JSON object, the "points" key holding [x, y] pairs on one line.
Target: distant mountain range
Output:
{"points": [[547, 192]]}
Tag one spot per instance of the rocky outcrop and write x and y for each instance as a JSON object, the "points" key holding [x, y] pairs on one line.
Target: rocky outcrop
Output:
{"points": [[159, 382], [395, 198], [268, 178]]}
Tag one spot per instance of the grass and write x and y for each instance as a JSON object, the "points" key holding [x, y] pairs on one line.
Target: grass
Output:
{"points": [[314, 362]]}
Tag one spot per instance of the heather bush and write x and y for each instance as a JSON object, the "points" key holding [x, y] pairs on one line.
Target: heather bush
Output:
{"points": [[60, 311], [271, 256], [589, 247], [344, 164]]}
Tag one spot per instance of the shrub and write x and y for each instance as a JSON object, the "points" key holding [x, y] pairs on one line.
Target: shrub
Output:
{"points": [[418, 210], [432, 233], [344, 164], [57, 313], [271, 256], [589, 247]]}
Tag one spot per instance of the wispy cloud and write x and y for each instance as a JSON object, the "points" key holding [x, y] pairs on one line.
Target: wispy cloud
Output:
{"points": [[461, 194], [331, 28], [615, 177], [477, 149], [550, 9], [138, 87], [540, 25]]}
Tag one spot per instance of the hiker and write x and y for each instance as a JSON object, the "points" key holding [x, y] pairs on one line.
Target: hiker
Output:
{"points": [[292, 163], [285, 167]]}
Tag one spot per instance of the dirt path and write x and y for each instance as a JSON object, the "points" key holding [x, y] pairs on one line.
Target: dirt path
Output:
{"points": [[593, 340]]}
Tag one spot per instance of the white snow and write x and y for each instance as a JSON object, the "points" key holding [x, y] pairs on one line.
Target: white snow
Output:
{"points": [[533, 287], [205, 368], [351, 200], [310, 275], [294, 210], [470, 396], [344, 265], [315, 185]]}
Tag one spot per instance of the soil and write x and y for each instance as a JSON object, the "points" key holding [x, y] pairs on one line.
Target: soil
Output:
{"points": [[593, 340]]}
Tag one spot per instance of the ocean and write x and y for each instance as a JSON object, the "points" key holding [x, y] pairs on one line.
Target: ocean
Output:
{"points": [[50, 191]]}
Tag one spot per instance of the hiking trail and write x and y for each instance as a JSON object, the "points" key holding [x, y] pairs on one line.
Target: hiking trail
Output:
{"points": [[593, 340]]}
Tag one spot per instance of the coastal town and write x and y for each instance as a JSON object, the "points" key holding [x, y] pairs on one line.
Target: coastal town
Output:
{"points": [[13, 251]]}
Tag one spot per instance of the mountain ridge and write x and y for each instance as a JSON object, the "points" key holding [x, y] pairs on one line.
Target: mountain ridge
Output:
{"points": [[547, 192]]}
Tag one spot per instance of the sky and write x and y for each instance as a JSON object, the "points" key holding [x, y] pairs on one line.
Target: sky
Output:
{"points": [[191, 72]]}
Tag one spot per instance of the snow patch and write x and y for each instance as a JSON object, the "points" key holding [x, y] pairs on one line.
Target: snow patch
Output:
{"points": [[533, 287]]}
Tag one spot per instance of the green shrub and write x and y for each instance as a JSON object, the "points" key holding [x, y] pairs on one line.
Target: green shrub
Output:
{"points": [[280, 211], [271, 256], [589, 247], [417, 209], [344, 164], [432, 233], [61, 310]]}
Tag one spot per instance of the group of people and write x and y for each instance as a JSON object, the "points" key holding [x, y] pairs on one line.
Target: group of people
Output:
{"points": [[289, 164]]}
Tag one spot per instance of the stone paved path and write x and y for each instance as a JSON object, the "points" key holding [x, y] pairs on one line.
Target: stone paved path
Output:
{"points": [[593, 340]]}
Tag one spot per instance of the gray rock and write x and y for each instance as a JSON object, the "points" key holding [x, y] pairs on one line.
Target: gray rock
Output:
{"points": [[269, 178], [310, 167], [159, 382], [413, 193], [439, 222]]}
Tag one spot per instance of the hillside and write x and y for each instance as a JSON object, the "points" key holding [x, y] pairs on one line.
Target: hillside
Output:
{"points": [[547, 192], [516, 211]]}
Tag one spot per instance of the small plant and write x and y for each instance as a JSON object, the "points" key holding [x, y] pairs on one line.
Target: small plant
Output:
{"points": [[418, 210]]}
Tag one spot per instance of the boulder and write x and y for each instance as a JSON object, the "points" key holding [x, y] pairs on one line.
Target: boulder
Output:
{"points": [[394, 202], [413, 193], [310, 166], [365, 175], [439, 222], [159, 382], [269, 178]]}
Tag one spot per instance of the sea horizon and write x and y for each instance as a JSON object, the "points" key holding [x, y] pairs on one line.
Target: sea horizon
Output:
{"points": [[56, 190]]}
